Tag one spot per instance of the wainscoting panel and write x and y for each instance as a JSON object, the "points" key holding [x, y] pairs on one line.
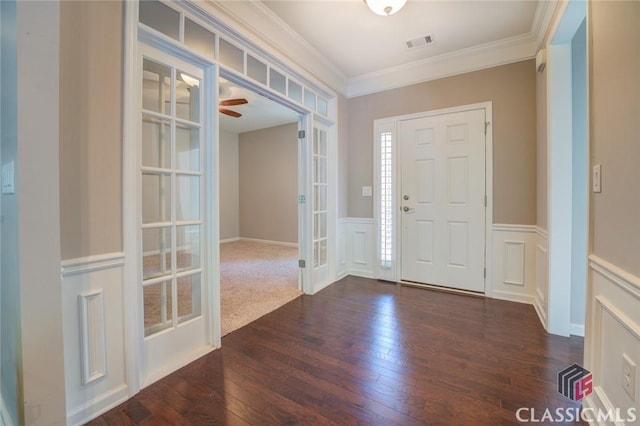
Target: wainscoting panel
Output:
{"points": [[94, 340], [613, 334], [542, 275], [341, 252], [356, 248], [514, 263]]}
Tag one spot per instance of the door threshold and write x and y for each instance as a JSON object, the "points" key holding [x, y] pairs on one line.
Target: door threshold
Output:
{"points": [[441, 288]]}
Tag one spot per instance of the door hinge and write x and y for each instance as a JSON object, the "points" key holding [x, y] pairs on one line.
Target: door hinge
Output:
{"points": [[302, 263], [486, 125], [301, 134]]}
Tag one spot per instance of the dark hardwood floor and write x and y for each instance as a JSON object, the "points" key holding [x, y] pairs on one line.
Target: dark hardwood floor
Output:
{"points": [[368, 352]]}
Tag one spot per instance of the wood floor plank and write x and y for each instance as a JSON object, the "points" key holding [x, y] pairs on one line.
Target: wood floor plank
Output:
{"points": [[367, 352]]}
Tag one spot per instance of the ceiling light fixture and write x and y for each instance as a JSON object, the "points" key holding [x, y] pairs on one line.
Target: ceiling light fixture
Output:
{"points": [[385, 7], [190, 81]]}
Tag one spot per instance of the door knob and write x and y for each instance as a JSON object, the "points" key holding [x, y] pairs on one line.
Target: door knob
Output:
{"points": [[406, 208]]}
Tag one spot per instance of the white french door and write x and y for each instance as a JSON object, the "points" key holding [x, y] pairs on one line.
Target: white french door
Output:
{"points": [[320, 204], [172, 220], [442, 200]]}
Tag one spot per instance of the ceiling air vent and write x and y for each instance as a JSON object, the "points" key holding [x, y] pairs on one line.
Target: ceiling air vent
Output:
{"points": [[420, 41]]}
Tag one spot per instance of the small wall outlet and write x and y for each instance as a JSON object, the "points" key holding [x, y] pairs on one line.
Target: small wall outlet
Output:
{"points": [[629, 376]]}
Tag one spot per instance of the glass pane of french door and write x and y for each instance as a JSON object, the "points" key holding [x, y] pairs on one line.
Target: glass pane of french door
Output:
{"points": [[320, 188], [172, 206]]}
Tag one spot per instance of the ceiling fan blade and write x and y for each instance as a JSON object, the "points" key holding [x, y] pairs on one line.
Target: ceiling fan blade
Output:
{"points": [[233, 102], [230, 113]]}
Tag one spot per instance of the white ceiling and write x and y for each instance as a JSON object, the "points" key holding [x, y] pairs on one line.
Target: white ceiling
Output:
{"points": [[259, 113], [359, 42]]}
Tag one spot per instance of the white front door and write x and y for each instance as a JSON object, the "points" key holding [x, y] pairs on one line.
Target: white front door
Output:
{"points": [[442, 200], [172, 220]]}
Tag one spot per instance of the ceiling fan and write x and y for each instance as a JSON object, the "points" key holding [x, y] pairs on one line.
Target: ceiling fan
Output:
{"points": [[231, 102]]}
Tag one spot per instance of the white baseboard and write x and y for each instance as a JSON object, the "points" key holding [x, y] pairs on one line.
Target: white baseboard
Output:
{"points": [[514, 297], [577, 330], [322, 286], [541, 314], [273, 243], [97, 406], [230, 240]]}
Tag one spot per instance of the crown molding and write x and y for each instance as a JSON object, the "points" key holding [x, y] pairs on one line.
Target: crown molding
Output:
{"points": [[542, 20], [256, 19], [506, 51]]}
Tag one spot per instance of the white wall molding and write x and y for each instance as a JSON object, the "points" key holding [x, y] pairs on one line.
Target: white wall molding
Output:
{"points": [[260, 23], [93, 339], [514, 228], [514, 263], [230, 240], [270, 242], [621, 278], [97, 406], [93, 295], [489, 55], [542, 274], [341, 249], [356, 248], [86, 264], [542, 232], [265, 25], [613, 331]]}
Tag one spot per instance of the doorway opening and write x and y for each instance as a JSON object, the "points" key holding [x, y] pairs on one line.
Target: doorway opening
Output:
{"points": [[259, 167], [568, 173]]}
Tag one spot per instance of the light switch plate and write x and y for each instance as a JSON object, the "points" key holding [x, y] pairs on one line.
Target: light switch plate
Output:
{"points": [[367, 191], [597, 178]]}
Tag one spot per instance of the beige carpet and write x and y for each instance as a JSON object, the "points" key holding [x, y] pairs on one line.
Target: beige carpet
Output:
{"points": [[255, 279]]}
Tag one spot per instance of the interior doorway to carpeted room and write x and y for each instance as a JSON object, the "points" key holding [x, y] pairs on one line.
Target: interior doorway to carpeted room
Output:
{"points": [[258, 150]]}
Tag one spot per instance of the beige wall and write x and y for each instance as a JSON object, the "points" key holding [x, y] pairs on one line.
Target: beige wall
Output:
{"points": [[269, 184], [541, 117], [42, 384], [615, 126], [229, 185], [91, 56], [511, 88], [343, 158]]}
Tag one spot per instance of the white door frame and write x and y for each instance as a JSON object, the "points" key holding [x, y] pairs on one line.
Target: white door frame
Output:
{"points": [[390, 124], [132, 271], [305, 124], [559, 170]]}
